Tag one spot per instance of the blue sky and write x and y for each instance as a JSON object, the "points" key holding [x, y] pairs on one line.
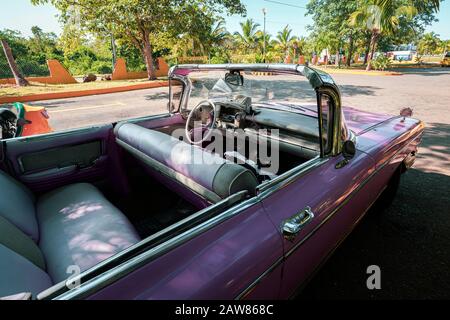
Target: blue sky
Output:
{"points": [[21, 15]]}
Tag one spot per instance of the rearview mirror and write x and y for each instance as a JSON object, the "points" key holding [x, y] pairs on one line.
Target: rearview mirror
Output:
{"points": [[234, 78]]}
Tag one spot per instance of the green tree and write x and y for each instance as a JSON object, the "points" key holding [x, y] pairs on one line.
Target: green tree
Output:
{"points": [[142, 22], [430, 43], [383, 17], [248, 38], [331, 29], [284, 40]]}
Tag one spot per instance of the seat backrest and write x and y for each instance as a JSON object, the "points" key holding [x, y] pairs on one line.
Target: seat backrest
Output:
{"points": [[207, 174], [18, 274], [17, 205]]}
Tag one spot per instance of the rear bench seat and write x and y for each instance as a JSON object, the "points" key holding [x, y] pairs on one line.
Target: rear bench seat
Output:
{"points": [[41, 237]]}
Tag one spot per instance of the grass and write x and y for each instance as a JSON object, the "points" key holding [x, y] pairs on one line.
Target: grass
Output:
{"points": [[40, 88]]}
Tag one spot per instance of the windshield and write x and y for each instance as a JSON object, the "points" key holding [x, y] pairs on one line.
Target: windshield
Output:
{"points": [[264, 90]]}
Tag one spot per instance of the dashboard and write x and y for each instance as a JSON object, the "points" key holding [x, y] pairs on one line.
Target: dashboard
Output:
{"points": [[297, 133]]}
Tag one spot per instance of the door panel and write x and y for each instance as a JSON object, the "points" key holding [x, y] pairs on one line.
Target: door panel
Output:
{"points": [[336, 203], [49, 161], [79, 155]]}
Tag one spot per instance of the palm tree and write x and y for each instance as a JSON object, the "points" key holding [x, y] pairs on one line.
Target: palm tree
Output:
{"points": [[298, 46], [260, 39], [248, 38], [284, 39], [429, 44], [383, 16], [219, 33]]}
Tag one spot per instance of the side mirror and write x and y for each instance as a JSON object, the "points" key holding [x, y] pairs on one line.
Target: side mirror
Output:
{"points": [[234, 78], [349, 150]]}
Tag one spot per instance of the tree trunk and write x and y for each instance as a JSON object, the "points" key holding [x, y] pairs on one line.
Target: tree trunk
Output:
{"points": [[337, 61], [366, 56], [20, 80], [373, 45], [350, 50], [148, 57]]}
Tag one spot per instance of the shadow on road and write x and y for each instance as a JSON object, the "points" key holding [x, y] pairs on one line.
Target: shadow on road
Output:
{"points": [[52, 104], [350, 90]]}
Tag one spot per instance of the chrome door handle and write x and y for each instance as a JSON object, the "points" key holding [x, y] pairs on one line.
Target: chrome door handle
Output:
{"points": [[292, 226]]}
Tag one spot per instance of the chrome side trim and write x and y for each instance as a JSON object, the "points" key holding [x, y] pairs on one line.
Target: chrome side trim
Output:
{"points": [[253, 285], [377, 125]]}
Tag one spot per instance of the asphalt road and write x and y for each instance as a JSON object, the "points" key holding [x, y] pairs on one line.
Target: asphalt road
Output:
{"points": [[410, 240], [107, 108]]}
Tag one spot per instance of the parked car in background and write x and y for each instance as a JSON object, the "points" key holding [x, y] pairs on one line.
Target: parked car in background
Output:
{"points": [[245, 186], [20, 120]]}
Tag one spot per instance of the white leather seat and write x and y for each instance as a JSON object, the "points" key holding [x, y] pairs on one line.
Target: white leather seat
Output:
{"points": [[41, 237]]}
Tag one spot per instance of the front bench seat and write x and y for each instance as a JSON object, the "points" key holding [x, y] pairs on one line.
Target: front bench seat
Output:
{"points": [[206, 174], [40, 238]]}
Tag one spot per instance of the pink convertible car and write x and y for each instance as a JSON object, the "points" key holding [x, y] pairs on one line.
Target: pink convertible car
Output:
{"points": [[240, 191]]}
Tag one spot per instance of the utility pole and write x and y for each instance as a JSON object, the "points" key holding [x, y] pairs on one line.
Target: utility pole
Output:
{"points": [[264, 10]]}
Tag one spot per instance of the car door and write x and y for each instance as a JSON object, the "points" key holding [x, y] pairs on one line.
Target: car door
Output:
{"points": [[45, 162], [319, 204], [327, 202]]}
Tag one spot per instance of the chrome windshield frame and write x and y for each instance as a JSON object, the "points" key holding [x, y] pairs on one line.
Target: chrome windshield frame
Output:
{"points": [[319, 80]]}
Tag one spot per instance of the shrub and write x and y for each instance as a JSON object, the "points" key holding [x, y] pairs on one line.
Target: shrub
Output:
{"points": [[418, 59], [101, 67], [219, 60], [381, 63]]}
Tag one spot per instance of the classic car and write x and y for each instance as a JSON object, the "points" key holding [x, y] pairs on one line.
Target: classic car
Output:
{"points": [[241, 191], [20, 120]]}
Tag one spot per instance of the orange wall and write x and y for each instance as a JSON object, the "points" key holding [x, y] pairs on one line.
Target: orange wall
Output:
{"points": [[121, 72], [58, 75]]}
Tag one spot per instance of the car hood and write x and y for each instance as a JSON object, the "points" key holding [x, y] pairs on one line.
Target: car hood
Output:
{"points": [[359, 121]]}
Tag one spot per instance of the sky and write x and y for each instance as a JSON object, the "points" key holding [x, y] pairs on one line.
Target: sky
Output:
{"points": [[21, 15]]}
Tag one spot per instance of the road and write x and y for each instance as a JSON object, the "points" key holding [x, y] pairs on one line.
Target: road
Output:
{"points": [[410, 240], [107, 108]]}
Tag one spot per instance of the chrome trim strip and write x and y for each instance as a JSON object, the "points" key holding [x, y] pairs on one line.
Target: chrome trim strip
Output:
{"points": [[377, 125], [292, 68], [252, 286]]}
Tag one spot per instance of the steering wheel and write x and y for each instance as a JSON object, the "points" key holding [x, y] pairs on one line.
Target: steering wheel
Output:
{"points": [[205, 116]]}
